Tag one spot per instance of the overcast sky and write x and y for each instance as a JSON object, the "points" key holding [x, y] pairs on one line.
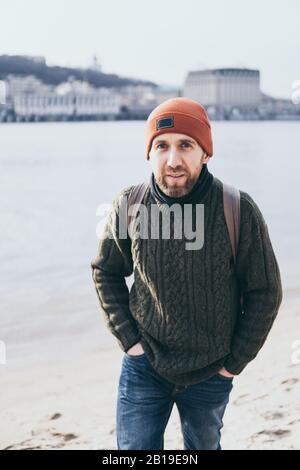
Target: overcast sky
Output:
{"points": [[160, 40]]}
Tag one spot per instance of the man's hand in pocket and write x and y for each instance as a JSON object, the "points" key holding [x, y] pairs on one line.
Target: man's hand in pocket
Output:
{"points": [[136, 350], [224, 372]]}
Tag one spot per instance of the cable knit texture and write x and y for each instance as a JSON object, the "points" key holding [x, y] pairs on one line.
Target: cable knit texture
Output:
{"points": [[183, 305]]}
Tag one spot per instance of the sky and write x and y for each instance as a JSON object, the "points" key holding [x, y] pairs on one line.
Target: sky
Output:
{"points": [[161, 40]]}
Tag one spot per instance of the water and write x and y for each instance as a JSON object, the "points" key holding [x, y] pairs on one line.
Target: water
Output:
{"points": [[53, 177]]}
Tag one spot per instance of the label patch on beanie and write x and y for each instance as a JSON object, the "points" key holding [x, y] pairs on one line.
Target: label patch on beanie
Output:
{"points": [[165, 122]]}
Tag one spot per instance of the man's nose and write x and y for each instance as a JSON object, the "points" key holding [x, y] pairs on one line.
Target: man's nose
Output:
{"points": [[174, 158]]}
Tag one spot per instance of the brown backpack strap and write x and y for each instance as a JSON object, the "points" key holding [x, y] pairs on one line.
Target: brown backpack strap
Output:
{"points": [[232, 212], [231, 202], [135, 196]]}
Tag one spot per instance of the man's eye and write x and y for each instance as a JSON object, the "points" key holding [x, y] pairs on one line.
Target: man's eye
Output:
{"points": [[183, 143]]}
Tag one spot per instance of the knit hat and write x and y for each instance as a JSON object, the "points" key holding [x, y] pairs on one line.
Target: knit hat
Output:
{"points": [[180, 115]]}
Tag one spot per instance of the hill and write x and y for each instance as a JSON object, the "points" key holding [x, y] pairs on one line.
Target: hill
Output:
{"points": [[53, 75]]}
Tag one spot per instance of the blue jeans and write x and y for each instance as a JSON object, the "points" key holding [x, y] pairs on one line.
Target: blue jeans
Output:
{"points": [[145, 401]]}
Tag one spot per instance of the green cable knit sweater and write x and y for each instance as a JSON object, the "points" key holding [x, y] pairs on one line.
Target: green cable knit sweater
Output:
{"points": [[184, 305]]}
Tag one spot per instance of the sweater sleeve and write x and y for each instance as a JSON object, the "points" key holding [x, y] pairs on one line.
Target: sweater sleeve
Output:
{"points": [[111, 265], [260, 284]]}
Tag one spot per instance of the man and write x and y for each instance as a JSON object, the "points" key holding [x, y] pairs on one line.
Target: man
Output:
{"points": [[182, 327]]}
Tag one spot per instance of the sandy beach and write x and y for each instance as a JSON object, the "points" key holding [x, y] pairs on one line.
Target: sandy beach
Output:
{"points": [[70, 403]]}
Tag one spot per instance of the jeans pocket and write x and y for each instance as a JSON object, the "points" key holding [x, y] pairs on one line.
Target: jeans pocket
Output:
{"points": [[134, 356]]}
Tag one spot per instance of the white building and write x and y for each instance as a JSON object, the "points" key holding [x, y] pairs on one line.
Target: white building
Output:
{"points": [[137, 101], [222, 87], [104, 102], [2, 92], [96, 65], [101, 102], [16, 85], [74, 86]]}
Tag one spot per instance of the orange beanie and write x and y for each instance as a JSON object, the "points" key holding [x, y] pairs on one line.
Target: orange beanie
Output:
{"points": [[180, 115]]}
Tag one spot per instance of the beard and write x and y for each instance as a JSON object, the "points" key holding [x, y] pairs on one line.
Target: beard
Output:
{"points": [[176, 189]]}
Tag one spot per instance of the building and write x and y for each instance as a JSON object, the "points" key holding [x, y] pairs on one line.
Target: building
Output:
{"points": [[24, 85], [96, 65], [101, 103], [137, 101], [225, 87], [2, 92], [278, 108]]}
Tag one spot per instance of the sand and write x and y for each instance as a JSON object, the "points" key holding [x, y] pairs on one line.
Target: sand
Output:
{"points": [[69, 401]]}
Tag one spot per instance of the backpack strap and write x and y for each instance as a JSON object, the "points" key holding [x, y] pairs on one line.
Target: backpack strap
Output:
{"points": [[135, 197], [231, 202], [232, 212]]}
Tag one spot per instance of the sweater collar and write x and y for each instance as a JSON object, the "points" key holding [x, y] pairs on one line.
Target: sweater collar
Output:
{"points": [[196, 194]]}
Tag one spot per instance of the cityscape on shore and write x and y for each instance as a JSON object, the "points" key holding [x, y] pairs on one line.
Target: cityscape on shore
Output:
{"points": [[30, 91]]}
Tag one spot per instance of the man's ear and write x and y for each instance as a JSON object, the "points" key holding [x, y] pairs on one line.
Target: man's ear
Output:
{"points": [[205, 158]]}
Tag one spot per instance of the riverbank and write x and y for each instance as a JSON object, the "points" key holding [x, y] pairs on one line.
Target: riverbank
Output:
{"points": [[70, 403]]}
